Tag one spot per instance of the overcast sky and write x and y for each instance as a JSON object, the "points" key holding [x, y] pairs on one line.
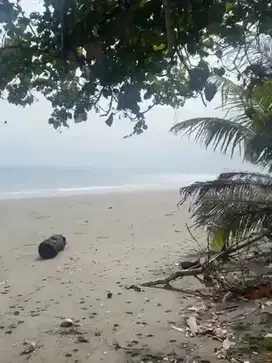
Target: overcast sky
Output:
{"points": [[27, 139]]}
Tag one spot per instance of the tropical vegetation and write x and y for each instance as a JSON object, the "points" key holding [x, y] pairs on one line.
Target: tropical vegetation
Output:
{"points": [[120, 58], [237, 206]]}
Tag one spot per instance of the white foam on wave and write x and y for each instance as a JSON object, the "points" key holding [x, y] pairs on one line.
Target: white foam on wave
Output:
{"points": [[158, 182]]}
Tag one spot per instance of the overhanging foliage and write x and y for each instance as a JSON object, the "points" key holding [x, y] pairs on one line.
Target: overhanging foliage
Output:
{"points": [[109, 56]]}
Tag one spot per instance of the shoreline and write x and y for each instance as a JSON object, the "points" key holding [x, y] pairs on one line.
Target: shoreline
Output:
{"points": [[86, 191], [59, 184]]}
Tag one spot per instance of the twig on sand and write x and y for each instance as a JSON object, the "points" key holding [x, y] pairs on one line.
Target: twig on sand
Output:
{"points": [[184, 291], [166, 281], [191, 234]]}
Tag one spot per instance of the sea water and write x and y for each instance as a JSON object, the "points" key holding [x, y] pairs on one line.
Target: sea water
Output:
{"points": [[39, 182]]}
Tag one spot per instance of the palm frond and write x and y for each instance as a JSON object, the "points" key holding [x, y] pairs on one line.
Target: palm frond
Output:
{"points": [[215, 132], [226, 133], [258, 150], [239, 103], [246, 126], [234, 219], [234, 99], [231, 92], [236, 204], [246, 176], [262, 93], [231, 207], [222, 189]]}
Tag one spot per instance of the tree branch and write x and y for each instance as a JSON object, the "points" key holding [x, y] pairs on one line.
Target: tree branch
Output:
{"points": [[174, 276], [168, 25], [206, 265]]}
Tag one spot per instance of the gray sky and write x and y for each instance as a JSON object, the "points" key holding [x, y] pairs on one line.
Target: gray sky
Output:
{"points": [[27, 139]]}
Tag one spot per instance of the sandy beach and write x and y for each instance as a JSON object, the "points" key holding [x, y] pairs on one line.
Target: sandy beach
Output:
{"points": [[113, 241]]}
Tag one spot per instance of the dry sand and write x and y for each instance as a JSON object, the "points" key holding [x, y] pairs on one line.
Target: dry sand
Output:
{"points": [[114, 240]]}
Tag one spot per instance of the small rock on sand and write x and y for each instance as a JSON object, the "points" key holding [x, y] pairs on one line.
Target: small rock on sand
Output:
{"points": [[82, 339], [66, 323]]}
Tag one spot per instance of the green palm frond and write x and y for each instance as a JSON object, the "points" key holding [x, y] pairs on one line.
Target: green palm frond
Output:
{"points": [[262, 94], [258, 150], [246, 125], [227, 133], [229, 208], [251, 109], [235, 205], [234, 99], [215, 132], [234, 219], [231, 92], [224, 189]]}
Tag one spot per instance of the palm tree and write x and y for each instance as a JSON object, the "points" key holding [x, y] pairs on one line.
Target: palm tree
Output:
{"points": [[235, 205]]}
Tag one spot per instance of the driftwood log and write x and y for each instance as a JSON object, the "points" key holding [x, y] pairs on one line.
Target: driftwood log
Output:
{"points": [[50, 247]]}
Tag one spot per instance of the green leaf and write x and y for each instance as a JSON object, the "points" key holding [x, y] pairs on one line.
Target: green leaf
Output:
{"points": [[159, 47], [210, 91], [230, 6], [262, 93], [109, 120], [142, 3], [217, 239], [23, 23], [125, 44]]}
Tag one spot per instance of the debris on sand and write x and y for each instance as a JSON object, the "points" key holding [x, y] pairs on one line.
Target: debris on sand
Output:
{"points": [[181, 330], [185, 265], [133, 354], [192, 324], [198, 325], [29, 347], [82, 339], [109, 295], [199, 306], [194, 359], [260, 292], [50, 247], [223, 351], [134, 287]]}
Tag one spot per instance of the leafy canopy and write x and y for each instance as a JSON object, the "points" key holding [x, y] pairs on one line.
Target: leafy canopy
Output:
{"points": [[111, 55]]}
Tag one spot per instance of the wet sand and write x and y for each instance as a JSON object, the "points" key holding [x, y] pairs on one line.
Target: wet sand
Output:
{"points": [[113, 241]]}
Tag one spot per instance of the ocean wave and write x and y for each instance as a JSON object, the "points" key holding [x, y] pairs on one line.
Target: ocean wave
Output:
{"points": [[58, 192], [155, 182]]}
